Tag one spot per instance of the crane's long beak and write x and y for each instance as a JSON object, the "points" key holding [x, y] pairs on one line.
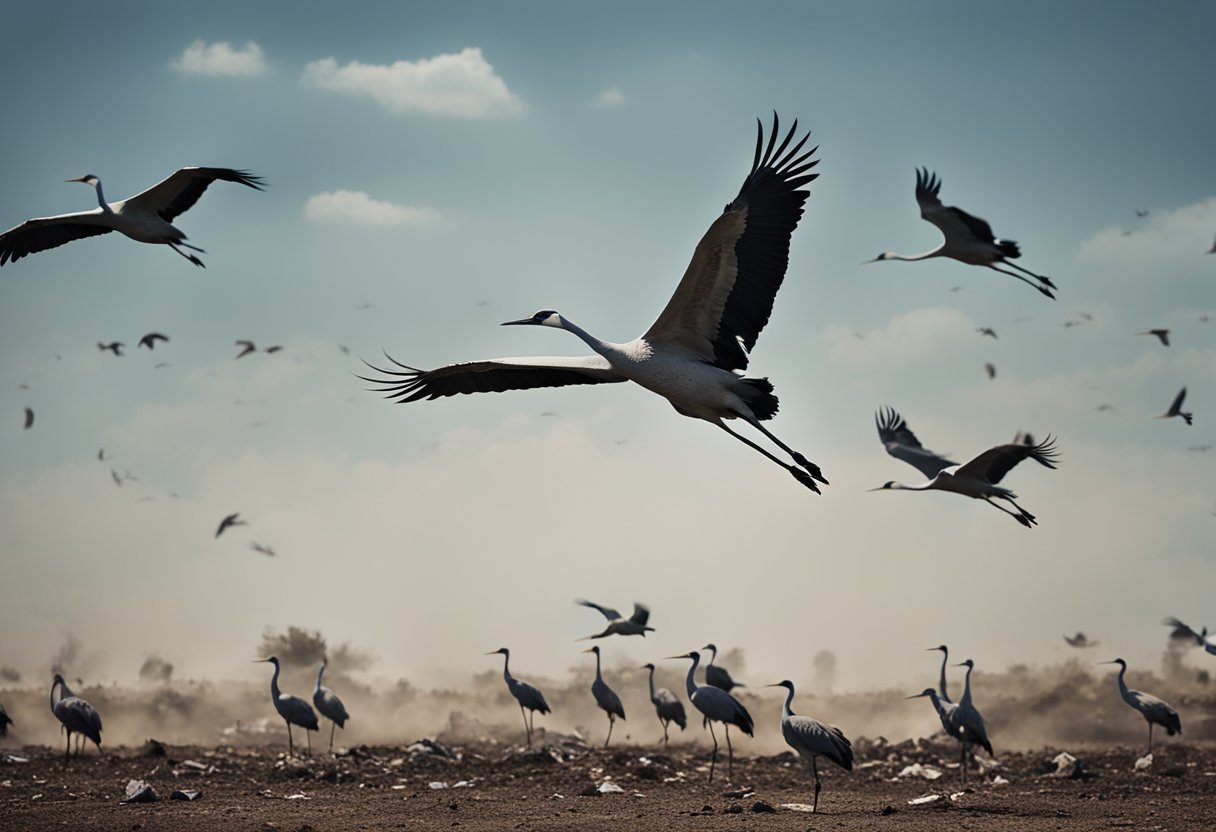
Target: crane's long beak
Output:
{"points": [[914, 696], [960, 664], [76, 179], [683, 656], [871, 260], [255, 661], [520, 322]]}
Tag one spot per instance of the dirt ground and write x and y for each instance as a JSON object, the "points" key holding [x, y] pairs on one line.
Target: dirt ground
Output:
{"points": [[559, 785]]}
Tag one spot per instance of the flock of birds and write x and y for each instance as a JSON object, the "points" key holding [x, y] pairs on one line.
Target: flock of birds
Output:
{"points": [[694, 355]]}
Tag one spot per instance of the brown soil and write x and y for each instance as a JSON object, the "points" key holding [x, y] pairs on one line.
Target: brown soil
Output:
{"points": [[491, 786]]}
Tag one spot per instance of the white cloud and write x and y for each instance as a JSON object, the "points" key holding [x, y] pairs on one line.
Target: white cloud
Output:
{"points": [[1162, 237], [221, 59], [611, 97], [914, 336], [357, 208], [462, 85]]}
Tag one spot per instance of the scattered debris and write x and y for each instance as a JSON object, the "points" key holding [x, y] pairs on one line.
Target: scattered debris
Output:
{"points": [[763, 806], [185, 794], [921, 801], [13, 759], [1145, 762], [798, 807], [140, 792], [918, 770], [888, 810], [733, 809], [608, 787]]}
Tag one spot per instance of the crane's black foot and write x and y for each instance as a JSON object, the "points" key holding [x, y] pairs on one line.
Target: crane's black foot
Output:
{"points": [[804, 478], [195, 261], [811, 468], [1026, 520], [1046, 281], [1046, 292]]}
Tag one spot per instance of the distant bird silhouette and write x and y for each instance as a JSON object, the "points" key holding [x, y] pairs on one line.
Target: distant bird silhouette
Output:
{"points": [[716, 705], [29, 418], [900, 442], [527, 696], [293, 709], [1183, 633], [715, 674], [150, 340], [1085, 315], [6, 720], [969, 721], [1105, 407], [968, 238], [265, 550], [668, 707], [1176, 409], [979, 477], [1163, 334], [230, 521], [990, 369], [76, 715], [1154, 710], [246, 348], [812, 739], [634, 625], [114, 347], [1141, 212], [605, 696], [1080, 640], [101, 455], [146, 217], [987, 330], [273, 349], [329, 706]]}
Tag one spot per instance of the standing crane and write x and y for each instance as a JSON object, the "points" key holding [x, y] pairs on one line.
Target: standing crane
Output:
{"points": [[146, 217], [979, 477], [605, 696], [330, 706], [694, 353], [717, 675], [76, 716], [634, 625], [668, 707], [900, 442], [947, 712], [813, 739], [527, 696], [293, 709], [1184, 633], [968, 238], [1153, 710], [941, 682], [970, 723], [717, 706]]}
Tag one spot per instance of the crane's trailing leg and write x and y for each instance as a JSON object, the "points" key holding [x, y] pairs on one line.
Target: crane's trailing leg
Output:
{"points": [[1046, 281], [811, 468], [189, 257], [1024, 280], [1024, 517], [1150, 738], [798, 474]]}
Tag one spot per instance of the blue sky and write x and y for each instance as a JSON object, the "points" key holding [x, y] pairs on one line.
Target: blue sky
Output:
{"points": [[436, 170]]}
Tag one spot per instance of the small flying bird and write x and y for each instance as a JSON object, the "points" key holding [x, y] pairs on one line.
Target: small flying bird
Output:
{"points": [[900, 442], [813, 739], [694, 353], [1154, 710], [1085, 315], [246, 348], [968, 239], [1141, 212], [668, 707], [151, 338], [293, 709], [527, 696], [29, 418], [1163, 334], [160, 365], [1183, 633], [979, 477], [987, 330], [1080, 640], [1102, 408], [715, 674], [76, 715], [990, 369], [970, 723], [146, 217], [273, 349], [102, 456], [117, 477], [634, 625], [258, 547], [230, 521], [114, 347], [716, 705], [1176, 409], [1070, 324], [605, 696], [1199, 448], [329, 706]]}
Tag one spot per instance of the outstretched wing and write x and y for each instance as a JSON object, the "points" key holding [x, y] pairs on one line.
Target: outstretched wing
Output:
{"points": [[726, 295], [1182, 632], [995, 463], [1176, 407], [493, 375], [955, 223], [901, 443], [178, 193], [42, 233], [641, 614], [607, 612]]}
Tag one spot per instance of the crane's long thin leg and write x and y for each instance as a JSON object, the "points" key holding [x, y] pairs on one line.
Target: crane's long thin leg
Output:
{"points": [[963, 763], [1024, 280], [308, 736], [67, 753], [798, 474], [531, 725], [1046, 280], [189, 257], [1024, 518], [811, 468], [815, 771], [332, 726], [290, 750], [730, 758], [713, 757], [1150, 738], [610, 723], [1025, 513], [527, 730]]}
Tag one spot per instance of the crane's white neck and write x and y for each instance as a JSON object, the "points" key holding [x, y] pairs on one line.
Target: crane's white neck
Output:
{"points": [[892, 255], [601, 347], [101, 197]]}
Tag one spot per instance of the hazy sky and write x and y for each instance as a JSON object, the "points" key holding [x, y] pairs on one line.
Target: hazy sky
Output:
{"points": [[437, 169]]}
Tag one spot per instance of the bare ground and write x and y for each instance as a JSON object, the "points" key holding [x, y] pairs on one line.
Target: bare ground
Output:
{"points": [[556, 786]]}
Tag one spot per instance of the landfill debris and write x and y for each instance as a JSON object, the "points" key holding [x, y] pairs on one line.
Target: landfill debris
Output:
{"points": [[798, 807], [999, 781], [438, 784], [154, 748], [921, 801], [1145, 762], [185, 794], [14, 759], [739, 794], [608, 787], [140, 792], [918, 770], [763, 806], [297, 796], [888, 810], [733, 809]]}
